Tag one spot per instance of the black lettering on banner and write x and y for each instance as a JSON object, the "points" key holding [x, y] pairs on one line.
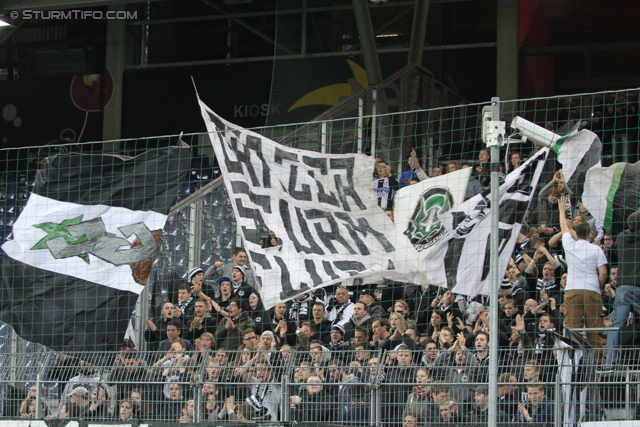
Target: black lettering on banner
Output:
{"points": [[311, 269], [241, 187], [503, 238], [323, 197], [260, 259], [327, 237], [320, 163], [245, 157], [254, 143], [349, 189], [315, 278], [316, 163], [313, 247], [232, 165], [256, 216], [350, 266], [305, 194], [285, 279], [281, 155], [329, 270], [391, 266], [217, 122], [363, 228]]}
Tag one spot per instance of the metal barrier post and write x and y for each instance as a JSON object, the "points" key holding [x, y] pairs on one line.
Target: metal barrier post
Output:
{"points": [[284, 398], [559, 401], [197, 385], [323, 138], [38, 398], [372, 409], [494, 263], [197, 401], [627, 392], [377, 388], [360, 116], [374, 112]]}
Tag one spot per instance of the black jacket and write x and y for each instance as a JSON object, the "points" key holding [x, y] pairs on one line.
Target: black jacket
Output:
{"points": [[262, 319], [323, 330], [243, 291], [628, 245], [313, 408], [153, 338], [209, 324]]}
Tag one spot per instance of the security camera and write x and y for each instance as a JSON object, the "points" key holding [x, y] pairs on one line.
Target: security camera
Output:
{"points": [[378, 2]]}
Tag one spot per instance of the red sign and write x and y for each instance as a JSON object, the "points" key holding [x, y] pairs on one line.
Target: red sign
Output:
{"points": [[92, 92]]}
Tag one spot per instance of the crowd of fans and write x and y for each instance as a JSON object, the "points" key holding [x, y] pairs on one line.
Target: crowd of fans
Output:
{"points": [[425, 347]]}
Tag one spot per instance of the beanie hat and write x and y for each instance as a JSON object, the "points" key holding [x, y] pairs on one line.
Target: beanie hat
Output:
{"points": [[224, 279], [338, 328], [239, 268], [506, 284], [193, 272], [267, 334]]}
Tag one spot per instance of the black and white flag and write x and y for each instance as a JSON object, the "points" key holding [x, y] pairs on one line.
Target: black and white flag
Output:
{"points": [[320, 206], [84, 244], [459, 259]]}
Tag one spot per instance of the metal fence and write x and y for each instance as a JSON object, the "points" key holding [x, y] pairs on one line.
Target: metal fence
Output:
{"points": [[328, 384], [201, 230]]}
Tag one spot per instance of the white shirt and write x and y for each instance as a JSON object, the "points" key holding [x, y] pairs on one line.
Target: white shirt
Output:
{"points": [[583, 260]]}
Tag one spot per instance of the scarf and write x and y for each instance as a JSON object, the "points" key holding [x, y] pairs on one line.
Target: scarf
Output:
{"points": [[299, 307], [183, 305], [257, 400], [541, 342], [339, 310], [336, 345], [420, 392]]}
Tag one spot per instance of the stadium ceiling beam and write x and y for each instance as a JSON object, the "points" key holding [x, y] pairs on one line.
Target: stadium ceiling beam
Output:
{"points": [[418, 31], [368, 41], [385, 26], [298, 11], [8, 5], [250, 27], [308, 55]]}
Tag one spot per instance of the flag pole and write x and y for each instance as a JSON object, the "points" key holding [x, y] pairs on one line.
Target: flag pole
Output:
{"points": [[494, 141]]}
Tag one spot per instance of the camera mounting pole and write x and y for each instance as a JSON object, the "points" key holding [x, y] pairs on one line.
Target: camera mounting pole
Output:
{"points": [[493, 136]]}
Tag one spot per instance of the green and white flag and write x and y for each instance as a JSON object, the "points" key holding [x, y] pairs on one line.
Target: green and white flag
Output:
{"points": [[578, 152], [612, 194], [417, 208]]}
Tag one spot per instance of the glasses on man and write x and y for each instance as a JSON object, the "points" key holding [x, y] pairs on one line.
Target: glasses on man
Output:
{"points": [[251, 338]]}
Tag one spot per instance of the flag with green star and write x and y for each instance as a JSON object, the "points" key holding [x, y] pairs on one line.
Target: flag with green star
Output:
{"points": [[84, 244]]}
